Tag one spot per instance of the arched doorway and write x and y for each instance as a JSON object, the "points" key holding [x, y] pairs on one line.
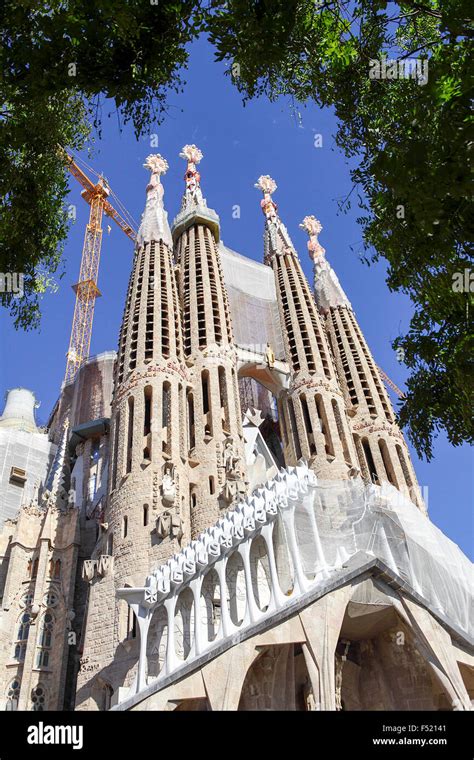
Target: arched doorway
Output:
{"points": [[278, 680]]}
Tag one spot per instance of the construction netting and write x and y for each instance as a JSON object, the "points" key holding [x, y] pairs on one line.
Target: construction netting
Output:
{"points": [[253, 303], [336, 520]]}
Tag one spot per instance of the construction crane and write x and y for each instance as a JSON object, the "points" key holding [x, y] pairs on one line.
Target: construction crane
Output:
{"points": [[390, 383], [96, 195]]}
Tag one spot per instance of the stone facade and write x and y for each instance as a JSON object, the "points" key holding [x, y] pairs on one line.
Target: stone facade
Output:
{"points": [[151, 569]]}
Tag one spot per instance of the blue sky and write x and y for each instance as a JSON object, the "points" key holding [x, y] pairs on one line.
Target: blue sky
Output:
{"points": [[239, 144]]}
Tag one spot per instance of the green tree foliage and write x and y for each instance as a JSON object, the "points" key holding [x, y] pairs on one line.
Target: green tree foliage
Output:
{"points": [[59, 61], [410, 139]]}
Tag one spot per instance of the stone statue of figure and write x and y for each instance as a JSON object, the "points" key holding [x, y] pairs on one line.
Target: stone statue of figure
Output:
{"points": [[169, 524], [270, 356], [231, 459], [168, 485], [311, 704], [163, 524]]}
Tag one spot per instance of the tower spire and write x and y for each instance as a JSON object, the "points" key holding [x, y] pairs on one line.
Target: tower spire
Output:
{"points": [[327, 288], [192, 194], [194, 208], [312, 406], [382, 454], [276, 238], [154, 222]]}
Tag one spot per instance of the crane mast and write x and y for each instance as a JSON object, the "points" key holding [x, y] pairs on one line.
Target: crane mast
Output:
{"points": [[86, 289]]}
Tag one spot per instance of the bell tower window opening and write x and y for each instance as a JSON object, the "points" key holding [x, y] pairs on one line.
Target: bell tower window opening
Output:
{"points": [[294, 428], [224, 402], [206, 403], [148, 399], [166, 418], [307, 424], [130, 433], [370, 460], [324, 425]]}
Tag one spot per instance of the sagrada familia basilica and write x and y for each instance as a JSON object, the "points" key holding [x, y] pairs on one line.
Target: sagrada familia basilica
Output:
{"points": [[224, 515]]}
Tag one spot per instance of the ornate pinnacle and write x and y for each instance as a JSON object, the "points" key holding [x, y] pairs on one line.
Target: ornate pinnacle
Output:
{"points": [[268, 186], [156, 164], [313, 227], [191, 154]]}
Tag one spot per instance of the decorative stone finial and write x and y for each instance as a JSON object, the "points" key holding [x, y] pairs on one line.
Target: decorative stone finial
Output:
{"points": [[192, 195], [191, 154], [268, 186], [313, 227], [328, 291], [154, 221], [156, 163]]}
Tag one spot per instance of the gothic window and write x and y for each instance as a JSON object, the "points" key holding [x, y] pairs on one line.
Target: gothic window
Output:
{"points": [[131, 624], [370, 460], [95, 449], [108, 692], [224, 401], [50, 599], [110, 544], [13, 694], [130, 434], [282, 421], [27, 599], [212, 487], [294, 429], [387, 462], [324, 425], [55, 568], [115, 452], [21, 641], [165, 418], [206, 403], [45, 640], [145, 515], [361, 456], [307, 424], [124, 526], [191, 428], [147, 423], [340, 430], [38, 698], [92, 485], [404, 466]]}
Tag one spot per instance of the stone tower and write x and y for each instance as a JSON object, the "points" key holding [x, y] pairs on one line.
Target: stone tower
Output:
{"points": [[312, 410], [214, 446], [147, 514], [381, 448], [38, 592]]}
